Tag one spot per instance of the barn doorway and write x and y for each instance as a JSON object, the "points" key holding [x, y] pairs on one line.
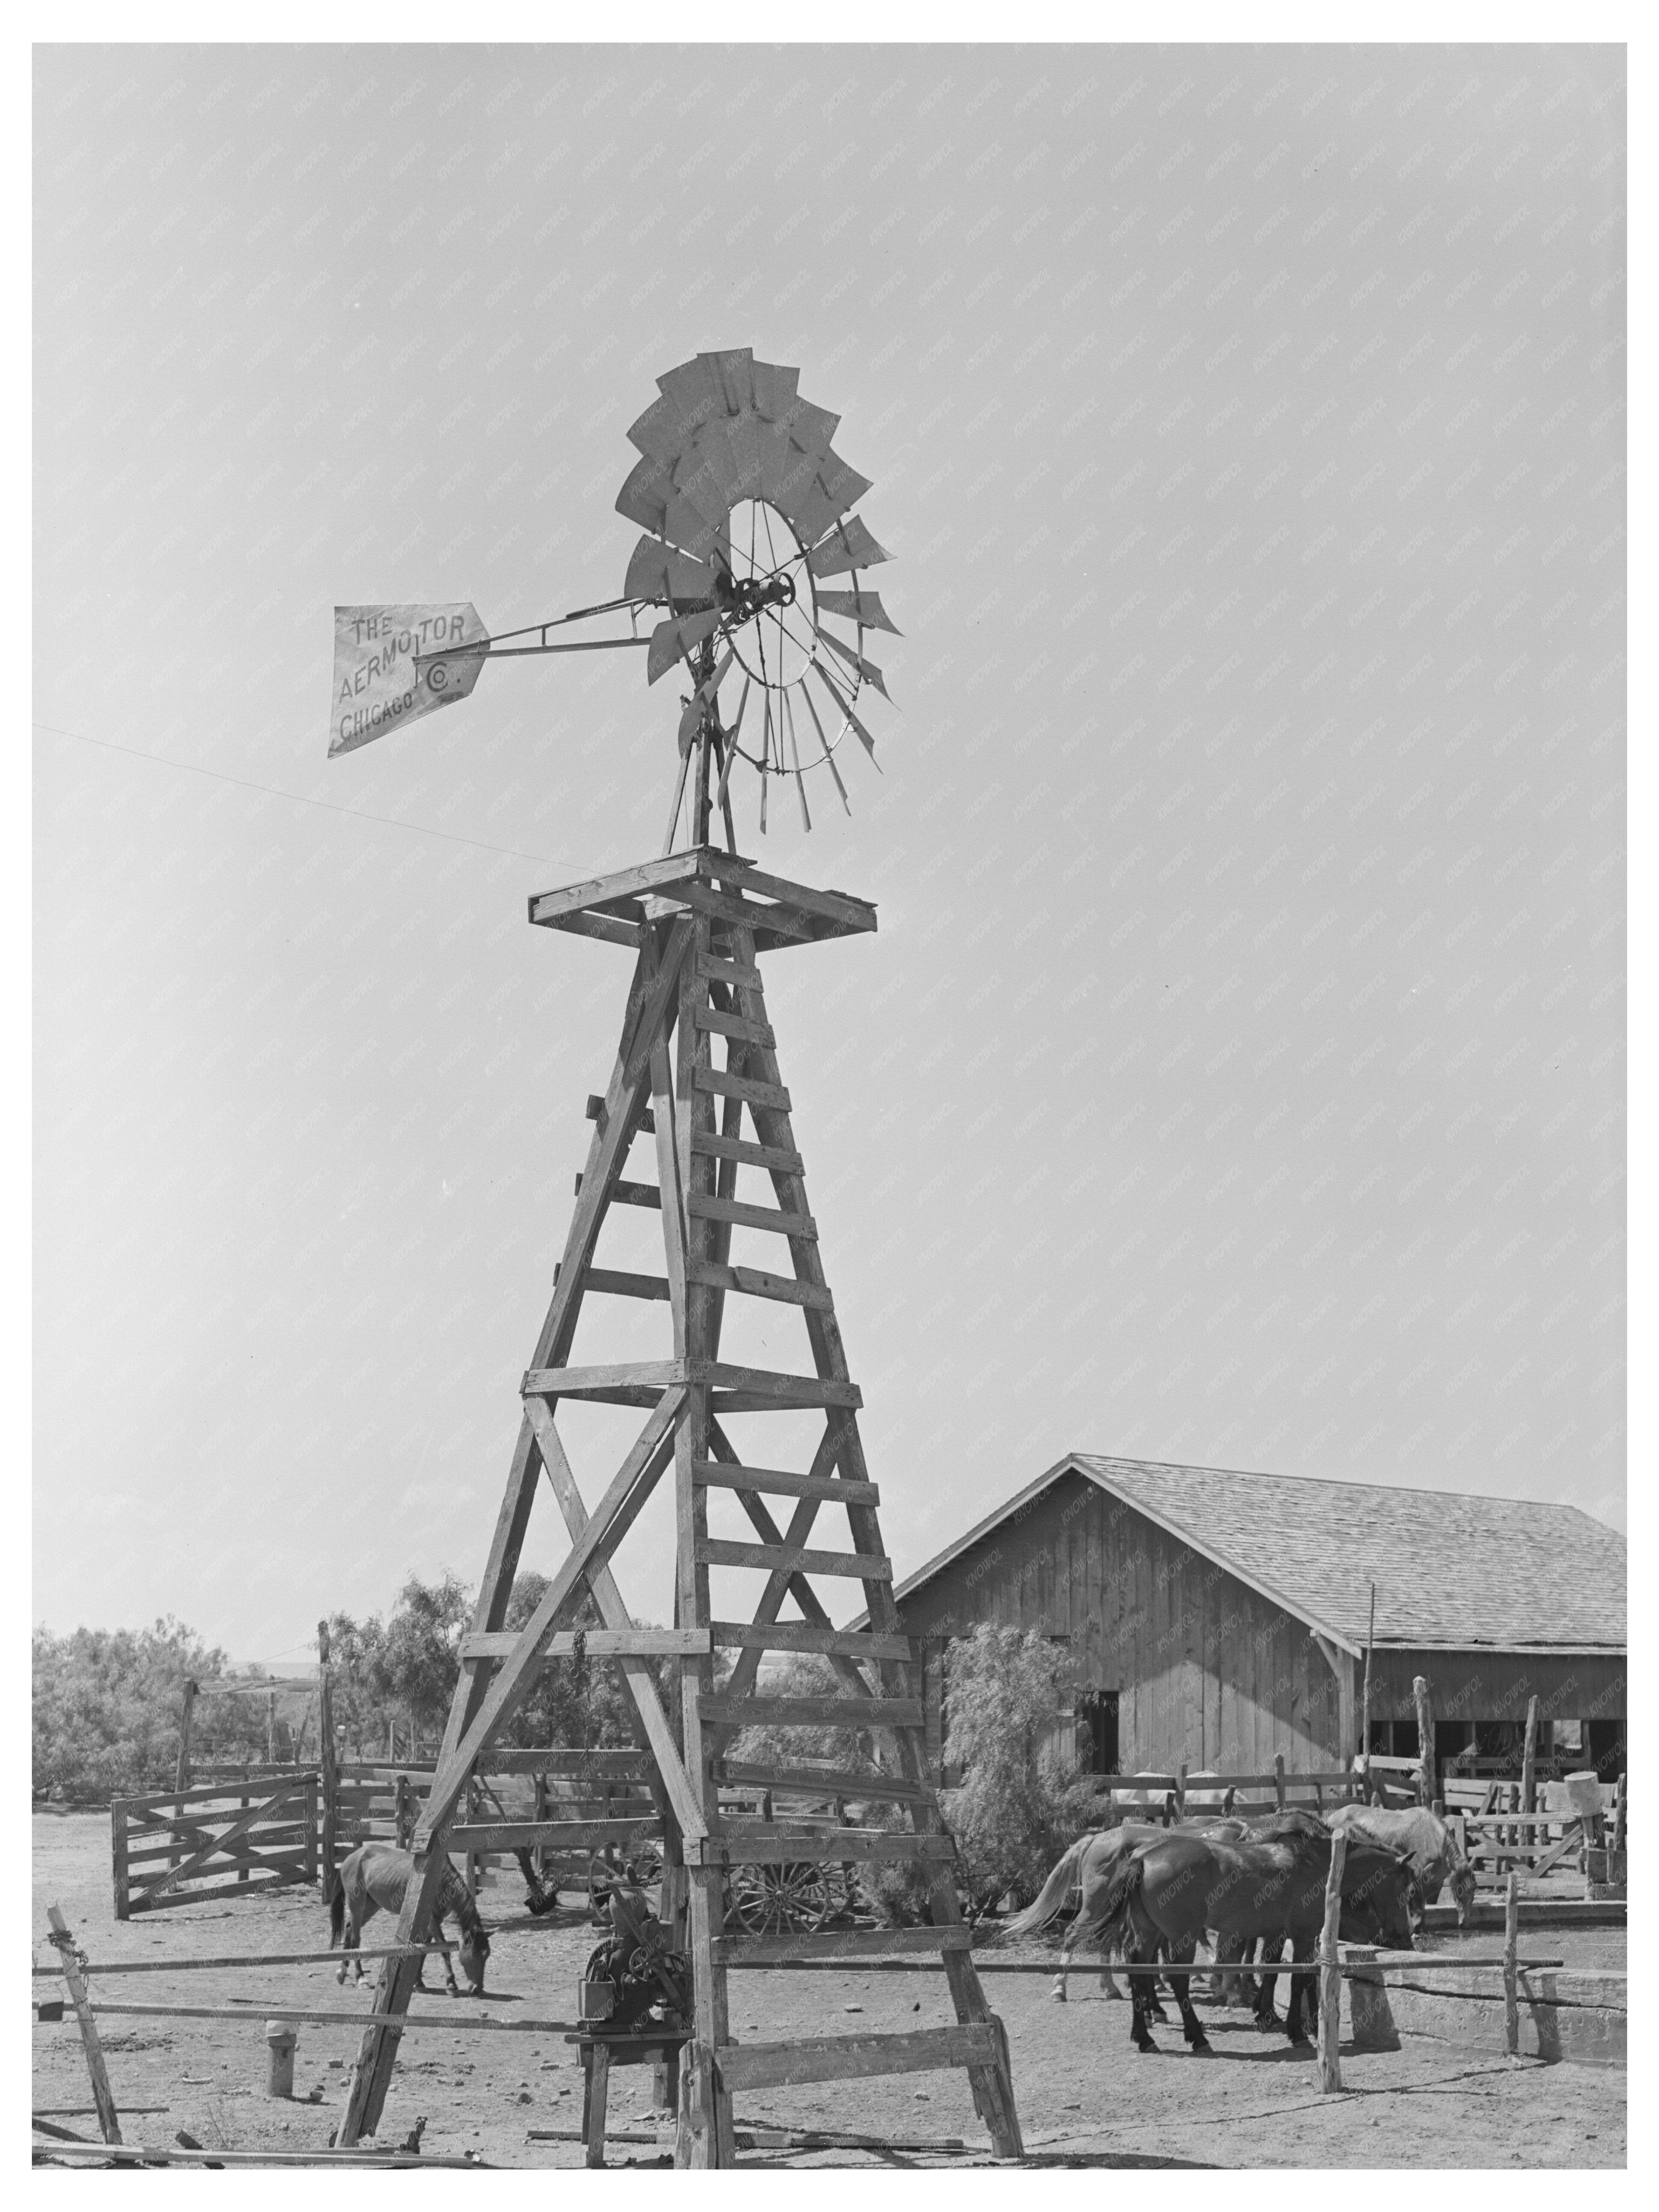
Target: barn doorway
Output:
{"points": [[1097, 1731]]}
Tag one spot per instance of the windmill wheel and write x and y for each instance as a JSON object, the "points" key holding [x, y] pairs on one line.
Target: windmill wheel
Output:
{"points": [[752, 551], [778, 1900]]}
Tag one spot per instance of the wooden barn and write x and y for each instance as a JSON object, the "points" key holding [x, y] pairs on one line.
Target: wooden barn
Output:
{"points": [[1218, 1618]]}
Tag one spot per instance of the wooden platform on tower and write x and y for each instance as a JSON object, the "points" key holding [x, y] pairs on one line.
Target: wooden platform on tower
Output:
{"points": [[697, 1073]]}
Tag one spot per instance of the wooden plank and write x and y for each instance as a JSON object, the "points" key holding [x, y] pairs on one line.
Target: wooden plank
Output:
{"points": [[764, 1384], [851, 2058], [716, 1144], [720, 906], [624, 886], [557, 1835], [795, 1559], [618, 1284], [237, 1891], [779, 1482], [814, 1712], [364, 2161], [736, 974], [734, 1025], [152, 1799], [853, 914], [627, 1194], [800, 1226], [752, 1091], [829, 1782], [255, 2011], [772, 1845], [653, 1375], [807, 1636], [607, 927], [839, 1943], [248, 1959], [625, 1765], [108, 2125], [757, 1283], [601, 1643], [643, 1120]]}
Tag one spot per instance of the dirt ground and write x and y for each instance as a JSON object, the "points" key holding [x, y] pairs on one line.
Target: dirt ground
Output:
{"points": [[1085, 2098]]}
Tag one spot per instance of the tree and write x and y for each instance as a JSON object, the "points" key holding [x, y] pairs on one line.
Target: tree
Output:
{"points": [[106, 1705], [1016, 1807], [419, 1661]]}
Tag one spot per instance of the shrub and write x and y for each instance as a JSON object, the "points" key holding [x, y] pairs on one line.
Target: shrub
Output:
{"points": [[1016, 1807]]}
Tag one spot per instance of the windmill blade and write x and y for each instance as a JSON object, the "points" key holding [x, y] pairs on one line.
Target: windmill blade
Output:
{"points": [[795, 755], [644, 497], [662, 574], [704, 475], [864, 608], [732, 743], [849, 545], [867, 669], [845, 705], [733, 374], [671, 641], [692, 393], [775, 390], [830, 758], [706, 538]]}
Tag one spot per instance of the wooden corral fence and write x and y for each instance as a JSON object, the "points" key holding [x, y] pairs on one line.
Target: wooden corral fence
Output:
{"points": [[220, 1839], [1246, 1796]]}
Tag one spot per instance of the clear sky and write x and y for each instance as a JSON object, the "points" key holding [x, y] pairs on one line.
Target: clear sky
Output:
{"points": [[1237, 1075]]}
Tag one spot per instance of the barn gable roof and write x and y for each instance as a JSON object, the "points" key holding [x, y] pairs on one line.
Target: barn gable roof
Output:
{"points": [[1451, 1569]]}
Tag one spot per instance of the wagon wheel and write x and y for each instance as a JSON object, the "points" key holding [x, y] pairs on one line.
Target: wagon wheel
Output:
{"points": [[606, 1868], [778, 1900]]}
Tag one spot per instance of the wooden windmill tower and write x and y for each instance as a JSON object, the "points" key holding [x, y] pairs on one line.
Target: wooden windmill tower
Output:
{"points": [[745, 506]]}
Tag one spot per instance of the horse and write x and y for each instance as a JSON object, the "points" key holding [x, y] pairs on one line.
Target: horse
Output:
{"points": [[1429, 1845], [1087, 1862], [375, 1878], [1174, 1889]]}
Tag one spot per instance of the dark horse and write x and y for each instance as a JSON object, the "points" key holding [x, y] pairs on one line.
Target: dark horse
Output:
{"points": [[1169, 1892], [375, 1878]]}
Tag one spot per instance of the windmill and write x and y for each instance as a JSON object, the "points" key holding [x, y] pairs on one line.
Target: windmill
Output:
{"points": [[750, 565]]}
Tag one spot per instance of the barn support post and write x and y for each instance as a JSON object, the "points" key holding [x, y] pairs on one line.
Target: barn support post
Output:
{"points": [[1370, 1637], [1529, 1760], [1426, 1768]]}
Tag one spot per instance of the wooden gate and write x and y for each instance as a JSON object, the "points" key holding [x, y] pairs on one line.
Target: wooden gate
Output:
{"points": [[222, 1840]]}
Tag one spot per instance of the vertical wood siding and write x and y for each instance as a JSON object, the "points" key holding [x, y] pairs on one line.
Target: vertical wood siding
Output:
{"points": [[1207, 1670]]}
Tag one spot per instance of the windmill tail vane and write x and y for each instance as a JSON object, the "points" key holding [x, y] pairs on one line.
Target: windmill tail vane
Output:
{"points": [[746, 511]]}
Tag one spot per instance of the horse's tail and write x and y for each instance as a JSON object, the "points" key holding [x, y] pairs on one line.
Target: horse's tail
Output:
{"points": [[1109, 1922], [1050, 1898], [336, 1909]]}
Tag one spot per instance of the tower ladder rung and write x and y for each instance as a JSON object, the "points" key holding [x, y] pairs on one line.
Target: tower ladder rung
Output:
{"points": [[793, 1559], [779, 1482]]}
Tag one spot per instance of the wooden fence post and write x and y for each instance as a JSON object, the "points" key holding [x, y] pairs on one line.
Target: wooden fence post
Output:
{"points": [[181, 1773], [326, 1769], [117, 1845], [69, 1960], [1425, 1770], [1511, 1990], [1330, 1972], [1279, 1778]]}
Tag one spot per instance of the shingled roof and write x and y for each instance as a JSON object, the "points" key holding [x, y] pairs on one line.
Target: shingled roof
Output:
{"points": [[1451, 1569]]}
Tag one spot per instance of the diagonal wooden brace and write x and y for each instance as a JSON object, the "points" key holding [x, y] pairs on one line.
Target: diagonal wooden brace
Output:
{"points": [[641, 1684], [631, 1487]]}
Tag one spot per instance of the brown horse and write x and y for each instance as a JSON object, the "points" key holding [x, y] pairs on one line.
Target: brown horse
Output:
{"points": [[1170, 1892], [374, 1879], [1091, 1861]]}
